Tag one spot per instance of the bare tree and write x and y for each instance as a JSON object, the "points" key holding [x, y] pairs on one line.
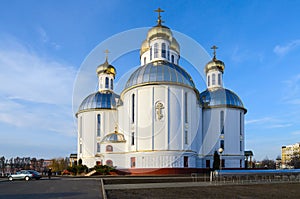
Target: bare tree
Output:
{"points": [[295, 161], [2, 164], [268, 164]]}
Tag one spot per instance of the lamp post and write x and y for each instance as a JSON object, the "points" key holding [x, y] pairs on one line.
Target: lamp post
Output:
{"points": [[220, 151]]}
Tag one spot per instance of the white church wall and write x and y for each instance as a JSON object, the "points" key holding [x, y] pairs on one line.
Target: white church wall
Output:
{"points": [[118, 160], [167, 132], [160, 122], [144, 118], [232, 135], [175, 119], [212, 135], [211, 131], [162, 159], [88, 139]]}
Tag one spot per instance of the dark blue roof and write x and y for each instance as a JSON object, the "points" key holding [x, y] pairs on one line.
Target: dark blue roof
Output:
{"points": [[99, 100], [220, 97], [160, 71]]}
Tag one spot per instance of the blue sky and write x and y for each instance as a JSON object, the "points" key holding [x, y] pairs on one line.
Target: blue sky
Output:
{"points": [[43, 44]]}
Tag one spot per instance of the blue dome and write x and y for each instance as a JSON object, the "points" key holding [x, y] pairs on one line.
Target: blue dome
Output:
{"points": [[221, 97], [160, 72], [114, 138], [99, 100]]}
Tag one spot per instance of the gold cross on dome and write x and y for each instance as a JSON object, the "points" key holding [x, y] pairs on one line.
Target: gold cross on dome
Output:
{"points": [[106, 53], [159, 21], [214, 48]]}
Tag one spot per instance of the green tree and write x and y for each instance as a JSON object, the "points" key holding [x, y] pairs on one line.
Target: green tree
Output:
{"points": [[78, 169], [216, 163], [103, 169]]}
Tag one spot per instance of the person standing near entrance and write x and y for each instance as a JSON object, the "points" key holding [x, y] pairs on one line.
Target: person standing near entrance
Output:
{"points": [[49, 173]]}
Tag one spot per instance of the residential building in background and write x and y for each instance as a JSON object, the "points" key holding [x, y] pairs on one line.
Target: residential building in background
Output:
{"points": [[288, 152]]}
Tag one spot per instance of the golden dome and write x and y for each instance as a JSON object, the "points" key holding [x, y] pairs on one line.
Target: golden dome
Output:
{"points": [[163, 32], [159, 31], [106, 68], [214, 64], [175, 45], [145, 46]]}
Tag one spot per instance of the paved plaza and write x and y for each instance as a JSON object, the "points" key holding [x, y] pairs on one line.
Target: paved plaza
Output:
{"points": [[142, 187], [56, 188]]}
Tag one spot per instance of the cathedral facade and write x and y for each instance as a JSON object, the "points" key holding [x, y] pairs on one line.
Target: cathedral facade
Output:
{"points": [[160, 119]]}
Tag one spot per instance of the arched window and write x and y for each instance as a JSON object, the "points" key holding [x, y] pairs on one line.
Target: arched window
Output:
{"points": [[163, 50], [80, 148], [213, 79], [111, 84], [144, 60], [186, 107], [98, 125], [185, 161], [168, 53], [208, 80], [98, 147], [155, 50], [222, 122], [241, 146], [241, 124], [80, 127], [106, 82], [109, 148], [98, 163], [132, 138], [219, 79], [132, 162], [172, 59], [222, 144], [132, 108], [150, 53], [109, 163]]}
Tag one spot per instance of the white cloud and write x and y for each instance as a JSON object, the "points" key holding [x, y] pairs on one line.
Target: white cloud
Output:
{"points": [[25, 75], [35, 91], [268, 122], [258, 121], [283, 50], [295, 132], [291, 93], [45, 38], [241, 55]]}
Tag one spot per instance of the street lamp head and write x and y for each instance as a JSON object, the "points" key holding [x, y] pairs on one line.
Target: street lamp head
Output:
{"points": [[221, 150]]}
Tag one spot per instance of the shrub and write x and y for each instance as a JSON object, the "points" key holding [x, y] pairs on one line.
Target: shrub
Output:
{"points": [[103, 169]]}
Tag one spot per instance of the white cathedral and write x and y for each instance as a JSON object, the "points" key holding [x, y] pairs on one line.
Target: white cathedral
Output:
{"points": [[160, 120]]}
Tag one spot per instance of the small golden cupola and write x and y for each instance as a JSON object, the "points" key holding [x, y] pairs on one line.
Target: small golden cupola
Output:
{"points": [[159, 44], [214, 71], [106, 75]]}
